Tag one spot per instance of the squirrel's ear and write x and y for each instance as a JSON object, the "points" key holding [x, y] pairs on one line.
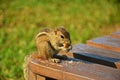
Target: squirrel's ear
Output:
{"points": [[61, 27]]}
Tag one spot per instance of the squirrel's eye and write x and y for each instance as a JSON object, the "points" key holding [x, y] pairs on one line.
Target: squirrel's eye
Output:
{"points": [[62, 36]]}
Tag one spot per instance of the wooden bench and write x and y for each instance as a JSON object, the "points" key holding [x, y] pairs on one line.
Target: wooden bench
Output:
{"points": [[99, 59]]}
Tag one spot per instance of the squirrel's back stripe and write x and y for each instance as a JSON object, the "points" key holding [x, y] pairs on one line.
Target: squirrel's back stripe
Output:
{"points": [[40, 34]]}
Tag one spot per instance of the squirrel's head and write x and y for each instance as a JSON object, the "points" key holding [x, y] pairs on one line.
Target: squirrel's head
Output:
{"points": [[61, 39]]}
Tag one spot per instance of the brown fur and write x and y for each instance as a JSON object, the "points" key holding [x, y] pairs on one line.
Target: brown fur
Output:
{"points": [[48, 41]]}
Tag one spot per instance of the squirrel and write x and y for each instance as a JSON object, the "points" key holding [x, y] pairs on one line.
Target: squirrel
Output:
{"points": [[49, 43]]}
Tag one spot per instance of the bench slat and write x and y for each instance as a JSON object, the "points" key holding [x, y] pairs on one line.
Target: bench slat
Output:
{"points": [[74, 71], [115, 34], [31, 75], [97, 55], [106, 42]]}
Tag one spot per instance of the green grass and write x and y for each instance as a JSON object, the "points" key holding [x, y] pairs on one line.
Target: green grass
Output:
{"points": [[21, 20]]}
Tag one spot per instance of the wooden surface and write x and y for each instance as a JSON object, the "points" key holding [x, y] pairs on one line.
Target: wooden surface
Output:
{"points": [[96, 55], [74, 71], [106, 42], [99, 59], [115, 34], [31, 76]]}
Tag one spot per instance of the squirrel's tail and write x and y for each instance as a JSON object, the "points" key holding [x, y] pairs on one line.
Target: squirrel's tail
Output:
{"points": [[27, 59]]}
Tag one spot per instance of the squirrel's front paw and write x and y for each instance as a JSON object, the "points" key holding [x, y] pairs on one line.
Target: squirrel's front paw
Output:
{"points": [[55, 60]]}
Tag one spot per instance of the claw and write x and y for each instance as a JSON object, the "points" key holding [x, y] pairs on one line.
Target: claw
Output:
{"points": [[55, 60]]}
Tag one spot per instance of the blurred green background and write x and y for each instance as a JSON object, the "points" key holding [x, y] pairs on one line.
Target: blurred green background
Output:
{"points": [[21, 20]]}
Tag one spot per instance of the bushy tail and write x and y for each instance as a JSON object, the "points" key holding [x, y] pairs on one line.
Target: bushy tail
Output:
{"points": [[27, 59]]}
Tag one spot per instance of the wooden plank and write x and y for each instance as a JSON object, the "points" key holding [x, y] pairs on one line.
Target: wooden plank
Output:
{"points": [[31, 75], [97, 55], [115, 34], [117, 64], [67, 70], [46, 71], [39, 77], [106, 42]]}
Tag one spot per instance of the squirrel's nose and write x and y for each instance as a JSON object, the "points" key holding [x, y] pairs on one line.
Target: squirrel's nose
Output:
{"points": [[67, 46]]}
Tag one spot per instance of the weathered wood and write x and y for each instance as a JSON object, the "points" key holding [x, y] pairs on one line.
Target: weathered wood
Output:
{"points": [[96, 55], [117, 64], [39, 77], [74, 71], [31, 75], [41, 69], [106, 42], [115, 34]]}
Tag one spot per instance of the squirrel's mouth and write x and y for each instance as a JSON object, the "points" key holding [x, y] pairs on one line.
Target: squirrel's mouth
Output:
{"points": [[65, 47]]}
